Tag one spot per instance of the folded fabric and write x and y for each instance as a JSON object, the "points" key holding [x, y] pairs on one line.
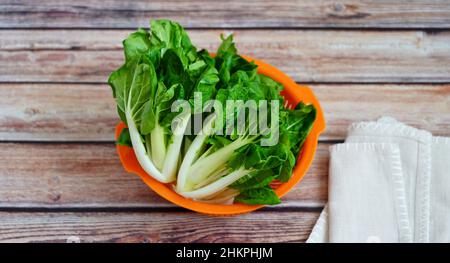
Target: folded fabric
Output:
{"points": [[386, 182], [366, 195]]}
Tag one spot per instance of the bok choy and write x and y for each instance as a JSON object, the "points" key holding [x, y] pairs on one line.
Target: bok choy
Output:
{"points": [[166, 84]]}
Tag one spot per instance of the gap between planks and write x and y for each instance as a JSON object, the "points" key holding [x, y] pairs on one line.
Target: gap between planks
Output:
{"points": [[144, 209]]}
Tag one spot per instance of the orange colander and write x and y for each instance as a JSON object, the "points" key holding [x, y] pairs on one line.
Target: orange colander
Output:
{"points": [[293, 93]]}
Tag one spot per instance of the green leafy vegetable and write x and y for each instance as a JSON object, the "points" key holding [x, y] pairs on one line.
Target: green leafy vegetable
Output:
{"points": [[256, 196], [124, 138], [224, 161]]}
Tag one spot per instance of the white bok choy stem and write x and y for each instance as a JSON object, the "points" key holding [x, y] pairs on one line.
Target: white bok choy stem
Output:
{"points": [[225, 197], [203, 167], [174, 150], [139, 149], [158, 146], [193, 152], [216, 186]]}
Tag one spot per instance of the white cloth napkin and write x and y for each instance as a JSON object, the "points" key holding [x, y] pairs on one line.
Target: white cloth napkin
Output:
{"points": [[388, 182]]}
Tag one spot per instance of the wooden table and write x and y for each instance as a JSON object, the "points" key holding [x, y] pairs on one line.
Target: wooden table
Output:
{"points": [[60, 177]]}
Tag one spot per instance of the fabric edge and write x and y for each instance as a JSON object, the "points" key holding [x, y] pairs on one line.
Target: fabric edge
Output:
{"points": [[388, 129], [404, 226], [337, 148]]}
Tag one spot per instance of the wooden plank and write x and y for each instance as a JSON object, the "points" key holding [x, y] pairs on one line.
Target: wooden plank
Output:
{"points": [[423, 106], [225, 14], [258, 227], [91, 176], [305, 55], [86, 112], [56, 112]]}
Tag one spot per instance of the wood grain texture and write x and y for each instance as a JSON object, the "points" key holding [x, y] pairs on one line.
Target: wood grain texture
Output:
{"points": [[57, 112], [423, 106], [86, 112], [225, 14], [305, 55], [263, 227], [61, 176]]}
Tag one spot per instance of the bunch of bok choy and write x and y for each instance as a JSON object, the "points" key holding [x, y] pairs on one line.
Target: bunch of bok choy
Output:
{"points": [[166, 84]]}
